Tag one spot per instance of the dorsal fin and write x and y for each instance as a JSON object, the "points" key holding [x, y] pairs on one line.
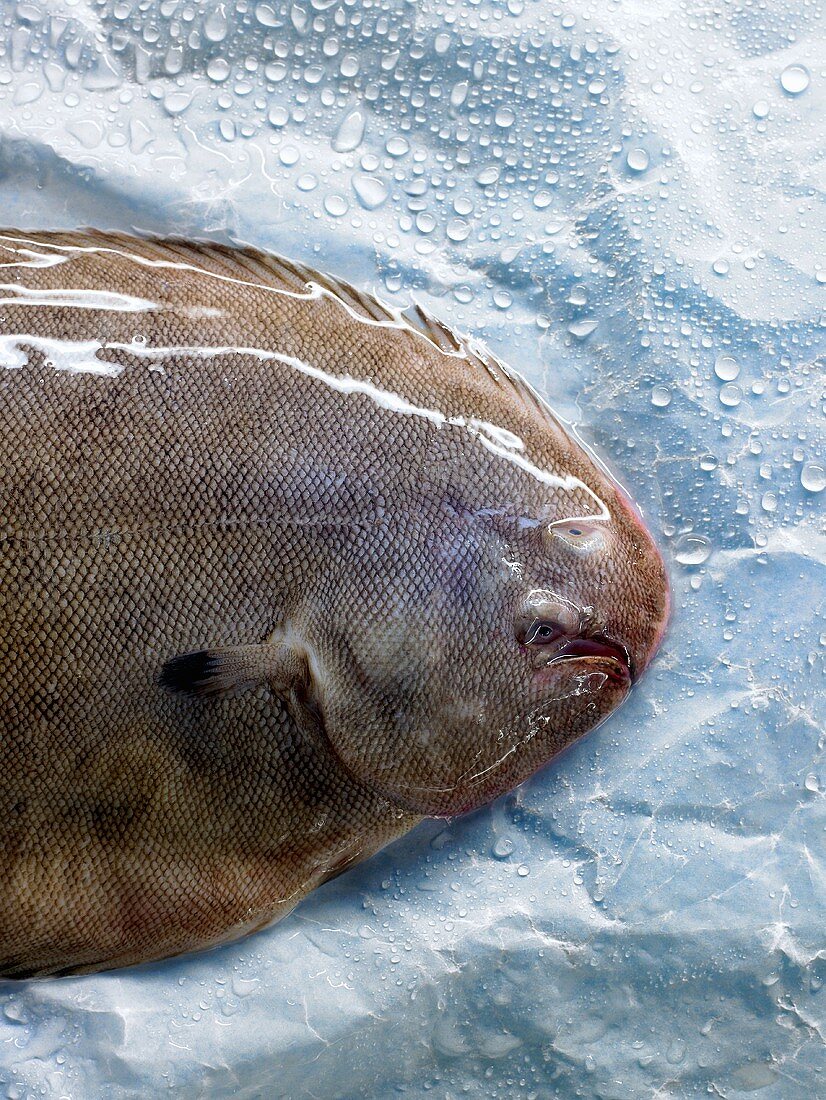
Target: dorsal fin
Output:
{"points": [[436, 331], [240, 263], [270, 270], [476, 353]]}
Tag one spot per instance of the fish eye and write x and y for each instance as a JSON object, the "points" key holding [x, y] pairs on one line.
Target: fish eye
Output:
{"points": [[579, 535], [542, 632]]}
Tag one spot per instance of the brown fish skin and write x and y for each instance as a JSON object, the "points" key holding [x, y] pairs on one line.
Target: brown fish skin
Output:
{"points": [[405, 587]]}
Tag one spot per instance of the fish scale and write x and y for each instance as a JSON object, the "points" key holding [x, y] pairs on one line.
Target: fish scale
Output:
{"points": [[266, 547]]}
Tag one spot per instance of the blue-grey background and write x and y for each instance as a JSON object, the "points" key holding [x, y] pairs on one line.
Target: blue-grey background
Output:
{"points": [[625, 199]]}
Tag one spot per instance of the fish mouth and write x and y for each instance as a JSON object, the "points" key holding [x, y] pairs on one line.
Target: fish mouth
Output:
{"points": [[612, 658]]}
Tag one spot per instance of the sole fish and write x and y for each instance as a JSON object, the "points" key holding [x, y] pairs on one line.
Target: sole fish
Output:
{"points": [[282, 570]]}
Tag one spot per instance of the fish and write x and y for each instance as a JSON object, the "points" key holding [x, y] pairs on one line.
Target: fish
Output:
{"points": [[284, 569]]}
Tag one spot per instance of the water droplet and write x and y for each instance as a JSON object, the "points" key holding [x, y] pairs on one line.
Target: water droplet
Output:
{"points": [[811, 783], [676, 1052], [813, 477], [503, 847], [488, 175], [370, 191], [175, 103], [692, 550], [266, 16], [351, 131], [661, 397], [397, 146], [458, 94], [215, 25], [425, 222], [336, 205], [578, 295], [523, 870], [103, 76], [768, 502], [458, 230], [289, 156], [28, 93], [173, 61], [278, 116], [708, 462], [731, 395], [218, 69], [87, 132], [29, 13], [726, 368], [582, 329], [637, 160], [760, 109], [14, 1010], [441, 43], [275, 71], [139, 135], [720, 267], [307, 182], [794, 80], [504, 117], [55, 75]]}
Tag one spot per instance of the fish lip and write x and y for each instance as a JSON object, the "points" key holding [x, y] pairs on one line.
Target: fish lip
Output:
{"points": [[616, 659]]}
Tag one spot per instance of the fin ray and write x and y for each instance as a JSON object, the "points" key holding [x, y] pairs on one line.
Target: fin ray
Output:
{"points": [[478, 355], [227, 670]]}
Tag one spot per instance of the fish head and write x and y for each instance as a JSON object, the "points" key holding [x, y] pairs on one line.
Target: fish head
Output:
{"points": [[509, 638], [598, 597]]}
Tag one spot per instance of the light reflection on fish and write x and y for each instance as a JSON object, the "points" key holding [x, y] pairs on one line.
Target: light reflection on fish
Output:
{"points": [[282, 569]]}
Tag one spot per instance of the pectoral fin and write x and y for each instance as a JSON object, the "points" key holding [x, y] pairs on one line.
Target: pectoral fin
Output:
{"points": [[230, 669]]}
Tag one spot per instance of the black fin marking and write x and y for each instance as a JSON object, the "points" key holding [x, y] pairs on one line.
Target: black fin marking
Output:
{"points": [[190, 673], [219, 671], [207, 672]]}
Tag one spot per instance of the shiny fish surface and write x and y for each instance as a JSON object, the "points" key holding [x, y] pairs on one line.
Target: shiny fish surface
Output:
{"points": [[282, 570]]}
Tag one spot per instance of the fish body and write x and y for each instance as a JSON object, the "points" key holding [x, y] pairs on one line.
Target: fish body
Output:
{"points": [[282, 570]]}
